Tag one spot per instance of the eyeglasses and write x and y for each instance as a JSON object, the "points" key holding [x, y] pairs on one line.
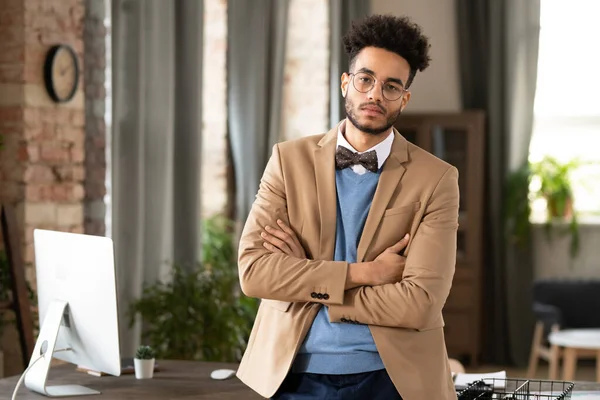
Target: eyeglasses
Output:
{"points": [[364, 82]]}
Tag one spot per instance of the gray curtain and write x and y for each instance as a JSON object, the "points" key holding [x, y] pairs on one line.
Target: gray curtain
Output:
{"points": [[256, 32], [498, 45], [341, 15], [156, 143]]}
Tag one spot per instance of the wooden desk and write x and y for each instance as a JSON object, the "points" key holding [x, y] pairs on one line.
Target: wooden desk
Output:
{"points": [[176, 380]]}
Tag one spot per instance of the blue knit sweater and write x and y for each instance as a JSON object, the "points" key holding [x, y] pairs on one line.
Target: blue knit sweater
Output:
{"points": [[341, 348]]}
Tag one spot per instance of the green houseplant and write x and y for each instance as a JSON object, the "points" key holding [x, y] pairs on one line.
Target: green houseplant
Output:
{"points": [[517, 206], [144, 362], [555, 186], [199, 313], [145, 352], [548, 179]]}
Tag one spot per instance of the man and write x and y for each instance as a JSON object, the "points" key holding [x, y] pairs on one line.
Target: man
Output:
{"points": [[345, 315]]}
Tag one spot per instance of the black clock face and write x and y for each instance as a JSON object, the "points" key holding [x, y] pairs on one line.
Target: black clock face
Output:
{"points": [[61, 73]]}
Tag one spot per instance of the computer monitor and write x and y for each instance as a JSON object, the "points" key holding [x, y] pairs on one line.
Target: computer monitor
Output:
{"points": [[77, 303]]}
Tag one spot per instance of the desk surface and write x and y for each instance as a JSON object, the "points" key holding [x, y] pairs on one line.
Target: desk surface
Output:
{"points": [[175, 380]]}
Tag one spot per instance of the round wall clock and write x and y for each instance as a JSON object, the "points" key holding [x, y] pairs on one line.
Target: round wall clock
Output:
{"points": [[61, 73]]}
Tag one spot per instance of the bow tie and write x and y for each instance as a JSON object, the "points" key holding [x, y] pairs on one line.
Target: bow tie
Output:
{"points": [[345, 158]]}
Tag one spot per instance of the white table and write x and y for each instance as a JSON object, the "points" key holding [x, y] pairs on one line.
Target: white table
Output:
{"points": [[575, 342]]}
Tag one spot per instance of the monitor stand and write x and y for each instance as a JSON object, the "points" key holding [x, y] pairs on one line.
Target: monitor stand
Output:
{"points": [[37, 375]]}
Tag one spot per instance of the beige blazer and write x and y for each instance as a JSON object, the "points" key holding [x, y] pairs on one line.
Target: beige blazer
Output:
{"points": [[417, 193]]}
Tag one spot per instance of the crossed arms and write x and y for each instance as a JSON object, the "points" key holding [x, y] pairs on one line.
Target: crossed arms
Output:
{"points": [[389, 291]]}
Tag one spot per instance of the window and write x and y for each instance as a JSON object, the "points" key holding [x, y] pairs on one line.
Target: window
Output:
{"points": [[567, 103]]}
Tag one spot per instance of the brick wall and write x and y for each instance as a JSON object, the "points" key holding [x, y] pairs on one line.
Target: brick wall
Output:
{"points": [[42, 168], [43, 162], [214, 109], [306, 88]]}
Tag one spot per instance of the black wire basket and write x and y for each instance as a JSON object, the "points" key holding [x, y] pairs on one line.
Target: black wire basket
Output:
{"points": [[517, 389]]}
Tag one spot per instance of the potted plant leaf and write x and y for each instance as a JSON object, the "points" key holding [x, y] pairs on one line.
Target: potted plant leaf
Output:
{"points": [[517, 206], [555, 185], [144, 362], [550, 180], [199, 313]]}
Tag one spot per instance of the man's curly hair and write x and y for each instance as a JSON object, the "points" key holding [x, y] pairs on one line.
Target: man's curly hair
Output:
{"points": [[396, 34]]}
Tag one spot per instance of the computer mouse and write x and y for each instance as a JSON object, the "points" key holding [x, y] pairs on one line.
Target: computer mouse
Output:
{"points": [[221, 374]]}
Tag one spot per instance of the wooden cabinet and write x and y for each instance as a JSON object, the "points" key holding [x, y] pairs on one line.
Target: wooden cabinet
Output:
{"points": [[459, 140]]}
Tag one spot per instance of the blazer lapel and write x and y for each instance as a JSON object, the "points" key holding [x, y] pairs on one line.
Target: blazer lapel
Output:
{"points": [[391, 174], [324, 162]]}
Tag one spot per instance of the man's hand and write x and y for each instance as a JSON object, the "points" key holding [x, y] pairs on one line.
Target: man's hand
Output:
{"points": [[388, 267], [282, 240]]}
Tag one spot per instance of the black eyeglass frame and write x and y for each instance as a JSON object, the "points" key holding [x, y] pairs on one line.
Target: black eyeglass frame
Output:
{"points": [[352, 75]]}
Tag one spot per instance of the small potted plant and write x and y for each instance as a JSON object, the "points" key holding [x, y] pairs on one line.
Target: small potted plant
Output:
{"points": [[144, 362], [556, 186]]}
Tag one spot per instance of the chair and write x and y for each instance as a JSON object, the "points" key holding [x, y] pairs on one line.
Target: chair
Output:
{"points": [[557, 305], [541, 349]]}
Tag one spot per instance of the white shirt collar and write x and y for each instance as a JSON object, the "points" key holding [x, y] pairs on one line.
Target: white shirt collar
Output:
{"points": [[383, 149]]}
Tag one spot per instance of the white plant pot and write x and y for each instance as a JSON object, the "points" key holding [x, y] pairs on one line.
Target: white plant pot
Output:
{"points": [[144, 369]]}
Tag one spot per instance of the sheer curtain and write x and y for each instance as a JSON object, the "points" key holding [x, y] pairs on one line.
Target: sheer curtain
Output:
{"points": [[341, 15], [498, 45], [256, 32], [157, 64]]}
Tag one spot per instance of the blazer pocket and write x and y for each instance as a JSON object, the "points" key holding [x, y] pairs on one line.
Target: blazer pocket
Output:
{"points": [[400, 210], [279, 305], [395, 223]]}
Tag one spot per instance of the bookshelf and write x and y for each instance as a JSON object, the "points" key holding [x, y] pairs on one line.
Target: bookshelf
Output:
{"points": [[459, 139]]}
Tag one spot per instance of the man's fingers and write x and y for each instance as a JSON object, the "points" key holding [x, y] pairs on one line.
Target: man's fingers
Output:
{"points": [[271, 248], [284, 238], [288, 230], [276, 242], [284, 227], [400, 245], [288, 236], [279, 234]]}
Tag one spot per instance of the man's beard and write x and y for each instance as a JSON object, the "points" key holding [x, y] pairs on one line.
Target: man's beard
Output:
{"points": [[350, 113]]}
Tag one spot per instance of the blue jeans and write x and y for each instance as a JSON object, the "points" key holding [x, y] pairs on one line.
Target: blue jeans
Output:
{"points": [[375, 385]]}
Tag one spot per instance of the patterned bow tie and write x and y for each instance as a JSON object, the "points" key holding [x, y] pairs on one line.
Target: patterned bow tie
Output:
{"points": [[345, 158]]}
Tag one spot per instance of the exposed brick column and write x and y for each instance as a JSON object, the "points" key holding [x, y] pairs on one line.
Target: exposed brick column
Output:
{"points": [[43, 160], [42, 163], [306, 84], [12, 79], [214, 110], [94, 59]]}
